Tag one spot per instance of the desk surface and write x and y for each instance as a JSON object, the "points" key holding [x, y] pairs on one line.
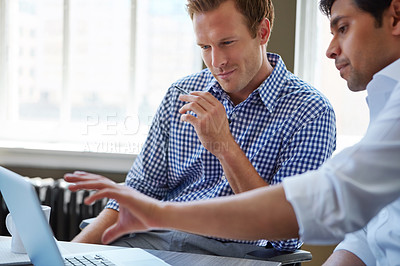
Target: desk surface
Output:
{"points": [[173, 258], [183, 259]]}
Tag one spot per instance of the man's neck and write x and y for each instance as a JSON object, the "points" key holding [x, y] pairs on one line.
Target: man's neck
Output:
{"points": [[265, 71]]}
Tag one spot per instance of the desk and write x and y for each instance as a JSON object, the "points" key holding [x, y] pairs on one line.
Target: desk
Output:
{"points": [[173, 258]]}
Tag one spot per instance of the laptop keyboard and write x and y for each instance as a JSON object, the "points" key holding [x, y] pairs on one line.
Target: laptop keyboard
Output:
{"points": [[87, 260]]}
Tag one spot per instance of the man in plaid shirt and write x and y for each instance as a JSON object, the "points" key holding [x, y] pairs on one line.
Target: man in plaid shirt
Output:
{"points": [[244, 113]]}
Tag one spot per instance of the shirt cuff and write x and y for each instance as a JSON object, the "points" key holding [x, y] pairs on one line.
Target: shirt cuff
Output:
{"points": [[112, 204], [311, 198]]}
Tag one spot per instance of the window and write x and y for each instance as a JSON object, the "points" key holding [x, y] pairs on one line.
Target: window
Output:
{"points": [[313, 37], [88, 75]]}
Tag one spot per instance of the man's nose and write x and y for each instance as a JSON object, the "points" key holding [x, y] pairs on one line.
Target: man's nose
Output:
{"points": [[219, 58], [333, 49]]}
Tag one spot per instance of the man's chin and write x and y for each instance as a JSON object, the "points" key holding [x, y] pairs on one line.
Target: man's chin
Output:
{"points": [[356, 87], [226, 86]]}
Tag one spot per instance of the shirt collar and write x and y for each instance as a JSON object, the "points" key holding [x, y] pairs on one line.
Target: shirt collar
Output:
{"points": [[391, 71], [269, 90], [381, 87]]}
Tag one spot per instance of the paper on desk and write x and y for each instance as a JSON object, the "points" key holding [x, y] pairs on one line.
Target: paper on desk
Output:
{"points": [[9, 258]]}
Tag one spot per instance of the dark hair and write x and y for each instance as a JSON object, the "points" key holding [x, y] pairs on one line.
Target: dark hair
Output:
{"points": [[374, 7], [254, 11]]}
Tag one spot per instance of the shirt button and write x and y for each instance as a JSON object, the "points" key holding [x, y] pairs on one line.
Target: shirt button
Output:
{"points": [[223, 177]]}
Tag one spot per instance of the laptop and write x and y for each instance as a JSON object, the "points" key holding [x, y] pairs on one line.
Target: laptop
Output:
{"points": [[36, 234]]}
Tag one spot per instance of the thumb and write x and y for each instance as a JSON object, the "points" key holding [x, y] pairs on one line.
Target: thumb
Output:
{"points": [[112, 233]]}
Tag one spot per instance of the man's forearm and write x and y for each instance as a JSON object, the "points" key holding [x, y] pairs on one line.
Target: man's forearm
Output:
{"points": [[93, 232], [240, 173], [260, 213], [343, 257]]}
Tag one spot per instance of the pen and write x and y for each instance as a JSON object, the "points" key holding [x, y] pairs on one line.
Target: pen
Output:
{"points": [[183, 91]]}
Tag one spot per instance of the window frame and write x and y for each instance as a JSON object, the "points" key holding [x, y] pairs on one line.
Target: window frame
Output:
{"points": [[306, 33], [3, 58]]}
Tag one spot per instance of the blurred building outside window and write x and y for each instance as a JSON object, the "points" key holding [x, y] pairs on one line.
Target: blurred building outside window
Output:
{"points": [[88, 75]]}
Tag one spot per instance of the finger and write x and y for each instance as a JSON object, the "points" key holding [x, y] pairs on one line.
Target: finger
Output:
{"points": [[126, 196], [81, 173], [194, 107], [91, 185], [83, 177], [112, 233], [207, 97], [78, 175], [110, 192], [96, 196], [69, 177], [189, 119], [203, 100]]}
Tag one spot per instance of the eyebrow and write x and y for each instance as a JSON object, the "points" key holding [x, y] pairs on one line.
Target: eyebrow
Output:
{"points": [[336, 20], [229, 38]]}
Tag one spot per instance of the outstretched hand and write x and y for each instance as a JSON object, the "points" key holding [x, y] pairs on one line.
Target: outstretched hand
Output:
{"points": [[136, 210]]}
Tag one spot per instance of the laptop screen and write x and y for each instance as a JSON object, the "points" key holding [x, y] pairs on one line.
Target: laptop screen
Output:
{"points": [[31, 224]]}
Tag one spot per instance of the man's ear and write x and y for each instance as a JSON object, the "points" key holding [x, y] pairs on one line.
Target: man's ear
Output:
{"points": [[395, 10], [264, 31]]}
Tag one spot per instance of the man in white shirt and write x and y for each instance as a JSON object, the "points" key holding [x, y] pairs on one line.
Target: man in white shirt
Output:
{"points": [[378, 243], [320, 206]]}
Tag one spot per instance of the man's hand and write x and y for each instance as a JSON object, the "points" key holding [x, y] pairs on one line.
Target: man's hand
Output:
{"points": [[211, 123], [136, 209], [212, 127]]}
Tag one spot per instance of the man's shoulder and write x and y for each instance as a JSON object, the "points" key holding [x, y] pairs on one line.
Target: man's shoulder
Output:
{"points": [[288, 85], [300, 88], [303, 98]]}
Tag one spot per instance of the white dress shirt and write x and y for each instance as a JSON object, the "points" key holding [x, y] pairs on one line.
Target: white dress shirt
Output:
{"points": [[379, 242], [353, 186]]}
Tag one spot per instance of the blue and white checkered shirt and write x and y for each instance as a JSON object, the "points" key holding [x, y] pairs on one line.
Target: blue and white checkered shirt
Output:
{"points": [[285, 127]]}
